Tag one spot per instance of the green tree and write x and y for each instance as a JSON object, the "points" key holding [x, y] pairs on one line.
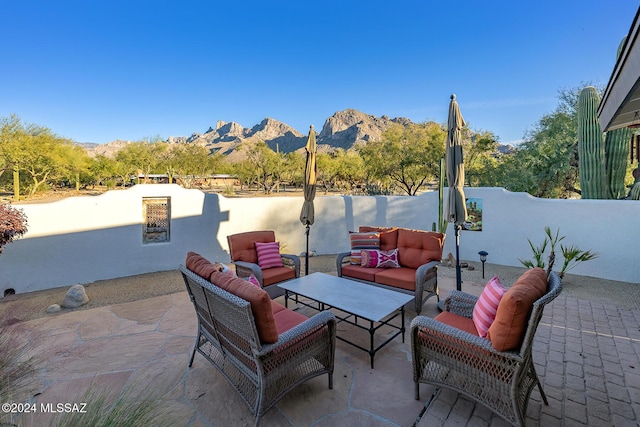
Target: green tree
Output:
{"points": [[104, 170], [31, 150], [141, 157], [408, 156], [189, 161], [75, 167], [546, 163], [266, 164], [481, 159]]}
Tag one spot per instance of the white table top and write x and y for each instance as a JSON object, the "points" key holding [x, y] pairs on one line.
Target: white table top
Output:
{"points": [[366, 301]]}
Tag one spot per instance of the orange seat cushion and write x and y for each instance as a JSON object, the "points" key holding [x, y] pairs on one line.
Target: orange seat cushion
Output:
{"points": [[259, 300], [417, 247], [200, 265], [287, 319], [277, 275], [362, 273], [459, 322], [388, 236], [242, 246], [404, 278], [508, 329]]}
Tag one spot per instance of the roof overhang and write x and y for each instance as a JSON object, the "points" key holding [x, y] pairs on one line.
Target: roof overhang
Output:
{"points": [[620, 105]]}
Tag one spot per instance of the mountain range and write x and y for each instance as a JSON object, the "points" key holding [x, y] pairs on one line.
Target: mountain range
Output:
{"points": [[344, 129]]}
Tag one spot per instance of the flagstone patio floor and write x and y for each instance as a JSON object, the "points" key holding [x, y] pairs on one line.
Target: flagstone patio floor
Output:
{"points": [[587, 354]]}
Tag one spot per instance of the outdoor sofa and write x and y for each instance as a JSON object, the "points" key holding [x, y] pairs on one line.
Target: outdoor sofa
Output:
{"points": [[399, 259], [262, 348]]}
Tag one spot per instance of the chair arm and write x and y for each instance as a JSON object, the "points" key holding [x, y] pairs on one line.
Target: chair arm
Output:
{"points": [[421, 275], [458, 337], [340, 261], [460, 303], [295, 259], [298, 331], [244, 269]]}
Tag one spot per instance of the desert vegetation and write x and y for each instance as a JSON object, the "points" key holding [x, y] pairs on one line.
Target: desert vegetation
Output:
{"points": [[405, 160]]}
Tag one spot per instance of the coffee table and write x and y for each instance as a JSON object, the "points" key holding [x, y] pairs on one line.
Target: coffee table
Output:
{"points": [[358, 300]]}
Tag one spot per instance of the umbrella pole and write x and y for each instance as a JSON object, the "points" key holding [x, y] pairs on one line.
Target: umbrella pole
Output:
{"points": [[458, 273], [306, 254]]}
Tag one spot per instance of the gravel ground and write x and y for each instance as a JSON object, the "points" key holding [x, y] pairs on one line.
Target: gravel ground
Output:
{"points": [[33, 305]]}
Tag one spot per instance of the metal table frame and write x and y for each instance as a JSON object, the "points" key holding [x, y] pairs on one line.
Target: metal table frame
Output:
{"points": [[350, 317]]}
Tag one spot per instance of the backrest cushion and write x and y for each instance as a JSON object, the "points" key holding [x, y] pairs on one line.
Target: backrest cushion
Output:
{"points": [[269, 254], [200, 265], [509, 327], [388, 236], [484, 312], [242, 246], [359, 241], [257, 297], [417, 247]]}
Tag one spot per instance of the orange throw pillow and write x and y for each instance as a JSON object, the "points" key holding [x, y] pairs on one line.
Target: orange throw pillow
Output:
{"points": [[259, 300], [200, 265], [508, 329]]}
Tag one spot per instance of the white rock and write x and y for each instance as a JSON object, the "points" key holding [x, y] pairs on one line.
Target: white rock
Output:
{"points": [[53, 308], [75, 297]]}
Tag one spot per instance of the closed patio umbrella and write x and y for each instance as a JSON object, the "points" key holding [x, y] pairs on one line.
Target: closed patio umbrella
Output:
{"points": [[307, 215], [456, 205]]}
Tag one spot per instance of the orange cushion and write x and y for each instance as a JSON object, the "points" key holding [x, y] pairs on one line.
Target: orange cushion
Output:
{"points": [[457, 321], [287, 319], [242, 246], [276, 307], [362, 273], [277, 275], [200, 265], [404, 278], [508, 329], [257, 297], [417, 247], [388, 236]]}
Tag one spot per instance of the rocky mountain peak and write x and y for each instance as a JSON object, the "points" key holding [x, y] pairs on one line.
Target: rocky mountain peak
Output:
{"points": [[351, 127]]}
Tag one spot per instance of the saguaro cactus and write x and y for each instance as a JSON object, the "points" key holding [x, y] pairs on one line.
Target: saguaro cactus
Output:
{"points": [[617, 151], [616, 148], [591, 154]]}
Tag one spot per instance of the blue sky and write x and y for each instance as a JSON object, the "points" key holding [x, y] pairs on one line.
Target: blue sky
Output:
{"points": [[96, 71]]}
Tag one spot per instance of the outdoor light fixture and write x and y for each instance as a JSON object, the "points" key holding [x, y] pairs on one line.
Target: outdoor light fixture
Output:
{"points": [[483, 258]]}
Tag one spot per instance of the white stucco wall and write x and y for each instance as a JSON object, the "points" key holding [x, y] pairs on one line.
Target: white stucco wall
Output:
{"points": [[83, 239]]}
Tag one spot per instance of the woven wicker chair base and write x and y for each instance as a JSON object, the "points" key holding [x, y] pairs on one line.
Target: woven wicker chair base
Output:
{"points": [[448, 357], [261, 373]]}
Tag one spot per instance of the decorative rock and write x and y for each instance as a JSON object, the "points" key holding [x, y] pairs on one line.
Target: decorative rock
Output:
{"points": [[53, 308], [75, 297]]}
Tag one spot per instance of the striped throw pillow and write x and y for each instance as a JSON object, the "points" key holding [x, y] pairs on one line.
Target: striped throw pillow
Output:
{"points": [[269, 255], [361, 241], [484, 312]]}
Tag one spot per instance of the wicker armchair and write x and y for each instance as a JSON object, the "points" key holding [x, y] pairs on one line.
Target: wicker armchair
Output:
{"points": [[244, 256], [449, 357], [261, 373]]}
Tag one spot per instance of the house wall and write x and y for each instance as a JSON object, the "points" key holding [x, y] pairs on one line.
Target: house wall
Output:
{"points": [[84, 239]]}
